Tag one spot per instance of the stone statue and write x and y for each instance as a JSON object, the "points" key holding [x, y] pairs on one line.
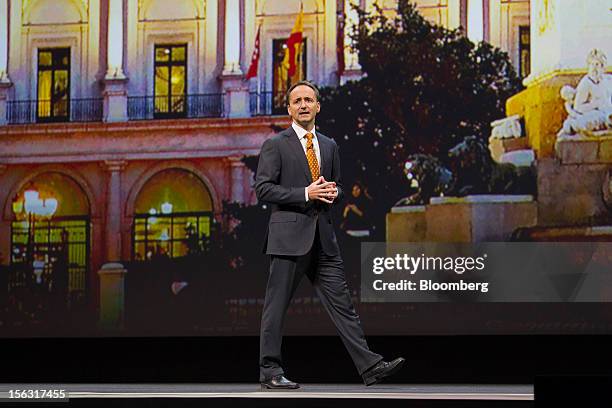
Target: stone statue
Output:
{"points": [[589, 106], [475, 172], [471, 171], [507, 128], [427, 177]]}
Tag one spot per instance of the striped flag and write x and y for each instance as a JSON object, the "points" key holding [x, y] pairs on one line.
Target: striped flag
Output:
{"points": [[294, 45]]}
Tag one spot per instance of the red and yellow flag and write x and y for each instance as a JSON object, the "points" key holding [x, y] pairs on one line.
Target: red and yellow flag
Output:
{"points": [[254, 67], [293, 52]]}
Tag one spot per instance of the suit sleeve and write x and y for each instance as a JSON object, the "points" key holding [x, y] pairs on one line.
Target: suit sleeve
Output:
{"points": [[267, 188], [336, 175]]}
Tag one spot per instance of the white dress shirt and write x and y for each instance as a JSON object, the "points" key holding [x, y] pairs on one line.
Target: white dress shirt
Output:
{"points": [[301, 133]]}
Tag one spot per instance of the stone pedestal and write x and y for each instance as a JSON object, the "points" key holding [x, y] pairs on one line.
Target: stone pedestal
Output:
{"points": [[237, 169], [112, 296], [115, 100], [406, 224], [500, 147], [541, 106], [572, 187], [236, 99], [584, 150], [478, 218], [462, 219]]}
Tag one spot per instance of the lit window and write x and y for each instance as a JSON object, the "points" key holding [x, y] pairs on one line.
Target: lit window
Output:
{"points": [[524, 51], [53, 102], [170, 80]]}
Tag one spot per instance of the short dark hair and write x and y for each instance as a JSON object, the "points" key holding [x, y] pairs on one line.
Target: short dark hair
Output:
{"points": [[305, 83]]}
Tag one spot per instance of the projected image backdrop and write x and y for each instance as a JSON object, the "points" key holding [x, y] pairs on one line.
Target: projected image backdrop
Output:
{"points": [[129, 139]]}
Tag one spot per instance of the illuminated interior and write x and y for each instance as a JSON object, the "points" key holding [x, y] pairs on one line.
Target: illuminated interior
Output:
{"points": [[50, 249], [53, 84], [170, 79], [173, 215]]}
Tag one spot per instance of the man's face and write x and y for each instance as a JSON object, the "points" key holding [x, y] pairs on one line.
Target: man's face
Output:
{"points": [[303, 106]]}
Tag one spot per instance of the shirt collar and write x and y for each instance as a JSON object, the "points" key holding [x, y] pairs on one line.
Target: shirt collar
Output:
{"points": [[301, 132]]}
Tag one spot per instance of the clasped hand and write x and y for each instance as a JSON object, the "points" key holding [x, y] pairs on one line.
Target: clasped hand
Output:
{"points": [[322, 190]]}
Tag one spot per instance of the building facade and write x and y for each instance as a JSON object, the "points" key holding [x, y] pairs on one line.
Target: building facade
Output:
{"points": [[123, 122]]}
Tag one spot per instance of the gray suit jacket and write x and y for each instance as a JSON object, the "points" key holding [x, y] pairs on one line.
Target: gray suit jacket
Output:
{"points": [[282, 175]]}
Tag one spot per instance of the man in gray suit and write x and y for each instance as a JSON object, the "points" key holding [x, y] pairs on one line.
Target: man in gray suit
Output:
{"points": [[299, 175]]}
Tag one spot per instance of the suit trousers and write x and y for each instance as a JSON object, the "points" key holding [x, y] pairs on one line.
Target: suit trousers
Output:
{"points": [[326, 273]]}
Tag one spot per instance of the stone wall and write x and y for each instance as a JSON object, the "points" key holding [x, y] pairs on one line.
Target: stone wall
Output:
{"points": [[571, 186], [462, 219]]}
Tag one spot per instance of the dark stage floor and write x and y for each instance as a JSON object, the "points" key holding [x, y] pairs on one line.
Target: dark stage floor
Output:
{"points": [[470, 392]]}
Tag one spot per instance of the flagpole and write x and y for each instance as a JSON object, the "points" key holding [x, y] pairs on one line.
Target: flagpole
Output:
{"points": [[259, 71], [258, 90], [301, 54], [254, 68]]}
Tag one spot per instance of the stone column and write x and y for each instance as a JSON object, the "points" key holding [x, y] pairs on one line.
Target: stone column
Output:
{"points": [[351, 20], [115, 81], [4, 90], [5, 225], [232, 37], [475, 20], [115, 40], [4, 42], [112, 273], [113, 210], [486, 20], [5, 82], [236, 90], [563, 32], [352, 69], [237, 179]]}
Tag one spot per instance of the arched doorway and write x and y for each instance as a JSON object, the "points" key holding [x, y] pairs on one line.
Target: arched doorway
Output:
{"points": [[50, 243], [173, 218], [173, 215]]}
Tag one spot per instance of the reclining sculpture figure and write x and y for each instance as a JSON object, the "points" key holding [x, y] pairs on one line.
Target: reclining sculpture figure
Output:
{"points": [[589, 105]]}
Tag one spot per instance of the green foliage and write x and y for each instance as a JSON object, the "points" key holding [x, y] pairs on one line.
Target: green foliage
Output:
{"points": [[424, 89]]}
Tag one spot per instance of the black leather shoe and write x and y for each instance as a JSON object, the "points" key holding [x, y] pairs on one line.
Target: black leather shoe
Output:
{"points": [[381, 370], [279, 382]]}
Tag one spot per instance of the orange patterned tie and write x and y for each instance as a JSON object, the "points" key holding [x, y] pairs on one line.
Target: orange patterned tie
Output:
{"points": [[312, 157]]}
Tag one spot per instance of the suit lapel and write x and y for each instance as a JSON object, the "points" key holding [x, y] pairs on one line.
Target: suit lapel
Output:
{"points": [[298, 152]]}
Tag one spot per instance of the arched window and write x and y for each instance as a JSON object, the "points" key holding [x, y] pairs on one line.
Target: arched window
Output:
{"points": [[50, 239], [173, 216]]}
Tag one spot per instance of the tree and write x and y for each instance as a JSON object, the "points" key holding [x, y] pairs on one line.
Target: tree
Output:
{"points": [[424, 89]]}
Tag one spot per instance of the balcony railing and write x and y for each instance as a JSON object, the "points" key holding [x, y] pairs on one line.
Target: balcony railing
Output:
{"points": [[44, 111], [176, 106], [261, 103]]}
